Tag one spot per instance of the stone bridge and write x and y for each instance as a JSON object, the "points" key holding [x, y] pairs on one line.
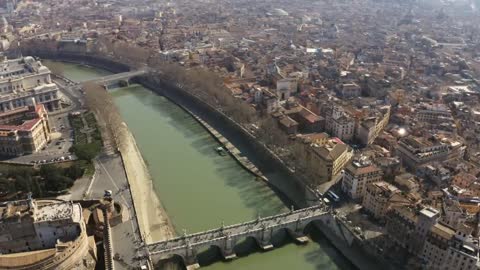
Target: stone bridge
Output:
{"points": [[226, 237], [118, 79]]}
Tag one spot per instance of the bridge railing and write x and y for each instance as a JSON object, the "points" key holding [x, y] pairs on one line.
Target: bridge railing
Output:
{"points": [[192, 242], [252, 227], [319, 207]]}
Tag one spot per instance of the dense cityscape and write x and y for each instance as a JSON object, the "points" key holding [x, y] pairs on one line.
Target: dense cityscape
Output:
{"points": [[352, 124]]}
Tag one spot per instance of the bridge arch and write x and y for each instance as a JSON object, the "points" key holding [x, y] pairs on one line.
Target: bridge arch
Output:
{"points": [[209, 255], [229, 239], [246, 245], [174, 259]]}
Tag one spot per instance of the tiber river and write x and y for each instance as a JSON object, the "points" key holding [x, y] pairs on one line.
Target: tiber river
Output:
{"points": [[201, 189]]}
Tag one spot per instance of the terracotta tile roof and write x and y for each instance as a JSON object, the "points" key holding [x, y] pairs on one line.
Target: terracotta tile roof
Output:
{"points": [[27, 125]]}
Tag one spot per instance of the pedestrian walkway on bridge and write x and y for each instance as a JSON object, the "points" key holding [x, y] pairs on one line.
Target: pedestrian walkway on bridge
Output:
{"points": [[226, 237]]}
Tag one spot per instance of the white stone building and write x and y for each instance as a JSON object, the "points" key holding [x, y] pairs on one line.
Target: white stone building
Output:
{"points": [[24, 78]]}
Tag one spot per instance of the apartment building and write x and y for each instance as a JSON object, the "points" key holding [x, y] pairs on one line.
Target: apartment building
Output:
{"points": [[433, 113], [357, 175], [328, 157], [416, 151], [408, 227], [370, 127], [24, 130], [378, 198], [447, 249]]}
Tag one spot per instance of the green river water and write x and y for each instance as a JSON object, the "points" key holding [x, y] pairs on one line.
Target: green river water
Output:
{"points": [[201, 189]]}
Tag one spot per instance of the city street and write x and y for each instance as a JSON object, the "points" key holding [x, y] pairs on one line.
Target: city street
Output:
{"points": [[110, 175]]}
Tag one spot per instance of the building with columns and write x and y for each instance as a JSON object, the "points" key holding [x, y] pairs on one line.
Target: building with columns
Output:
{"points": [[24, 78]]}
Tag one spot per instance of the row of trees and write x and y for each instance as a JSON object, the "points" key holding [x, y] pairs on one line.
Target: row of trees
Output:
{"points": [[205, 84], [110, 121]]}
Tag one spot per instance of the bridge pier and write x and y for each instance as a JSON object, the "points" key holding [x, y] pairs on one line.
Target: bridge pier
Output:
{"points": [[124, 83], [298, 234], [191, 258], [299, 237], [261, 230], [265, 240], [228, 251], [193, 266]]}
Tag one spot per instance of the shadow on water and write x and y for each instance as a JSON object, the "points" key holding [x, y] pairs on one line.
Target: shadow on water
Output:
{"points": [[325, 255], [244, 247], [174, 263], [208, 256]]}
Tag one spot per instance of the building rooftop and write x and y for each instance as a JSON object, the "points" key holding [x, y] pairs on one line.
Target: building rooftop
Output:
{"points": [[39, 211], [429, 212], [27, 124], [331, 150], [20, 67], [443, 231], [58, 211]]}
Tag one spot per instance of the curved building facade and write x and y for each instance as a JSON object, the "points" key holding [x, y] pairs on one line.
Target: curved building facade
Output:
{"points": [[44, 234]]}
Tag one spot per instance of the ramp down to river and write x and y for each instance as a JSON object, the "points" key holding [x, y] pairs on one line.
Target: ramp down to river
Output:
{"points": [[232, 150]]}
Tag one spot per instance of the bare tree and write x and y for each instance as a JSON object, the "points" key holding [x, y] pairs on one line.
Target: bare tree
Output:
{"points": [[110, 121]]}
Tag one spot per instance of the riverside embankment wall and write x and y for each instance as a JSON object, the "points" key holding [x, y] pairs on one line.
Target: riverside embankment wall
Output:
{"points": [[84, 59]]}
